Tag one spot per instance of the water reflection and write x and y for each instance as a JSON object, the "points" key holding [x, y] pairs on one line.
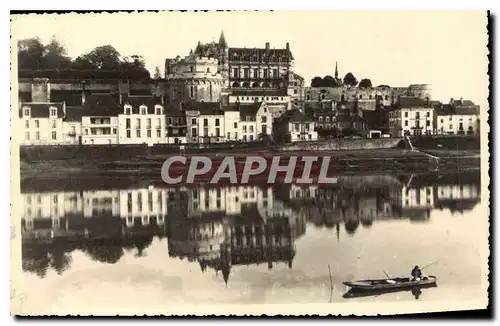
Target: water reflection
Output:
{"points": [[218, 228]]}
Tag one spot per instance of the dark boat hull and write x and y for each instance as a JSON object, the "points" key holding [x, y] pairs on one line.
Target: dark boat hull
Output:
{"points": [[389, 284], [354, 293]]}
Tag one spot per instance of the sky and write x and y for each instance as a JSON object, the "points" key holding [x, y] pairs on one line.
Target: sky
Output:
{"points": [[445, 49]]}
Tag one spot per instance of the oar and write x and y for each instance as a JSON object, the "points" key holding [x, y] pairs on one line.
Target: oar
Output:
{"points": [[429, 265]]}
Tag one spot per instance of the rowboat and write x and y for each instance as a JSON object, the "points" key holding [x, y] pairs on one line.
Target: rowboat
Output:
{"points": [[416, 291], [392, 283]]}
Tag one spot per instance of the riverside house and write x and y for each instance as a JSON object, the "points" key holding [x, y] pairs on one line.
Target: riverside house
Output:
{"points": [[142, 121], [295, 126], [100, 120], [42, 122], [412, 116]]}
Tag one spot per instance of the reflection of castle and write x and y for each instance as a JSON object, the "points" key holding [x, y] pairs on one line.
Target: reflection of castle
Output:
{"points": [[226, 226], [230, 226]]}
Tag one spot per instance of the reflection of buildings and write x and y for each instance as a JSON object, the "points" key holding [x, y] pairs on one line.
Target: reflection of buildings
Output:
{"points": [[226, 226]]}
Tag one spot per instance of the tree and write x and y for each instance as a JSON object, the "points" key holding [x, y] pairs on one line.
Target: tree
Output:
{"points": [[104, 57], [317, 82], [329, 81], [30, 53], [349, 79], [365, 83], [157, 74], [55, 55], [82, 63]]}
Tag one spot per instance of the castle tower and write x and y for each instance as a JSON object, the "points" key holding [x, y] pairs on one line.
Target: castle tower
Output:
{"points": [[224, 59], [336, 71]]}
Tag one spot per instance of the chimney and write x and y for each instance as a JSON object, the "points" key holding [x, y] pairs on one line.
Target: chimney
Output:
{"points": [[267, 45], [287, 46]]}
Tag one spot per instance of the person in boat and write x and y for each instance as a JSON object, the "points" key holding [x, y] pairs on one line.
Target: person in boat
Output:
{"points": [[416, 273]]}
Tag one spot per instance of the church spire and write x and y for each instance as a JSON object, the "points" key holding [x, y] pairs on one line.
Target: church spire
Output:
{"points": [[222, 40], [336, 71]]}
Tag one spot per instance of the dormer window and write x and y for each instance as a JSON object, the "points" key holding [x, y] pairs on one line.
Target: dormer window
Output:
{"points": [[158, 109], [27, 111], [53, 112], [143, 109], [128, 109]]}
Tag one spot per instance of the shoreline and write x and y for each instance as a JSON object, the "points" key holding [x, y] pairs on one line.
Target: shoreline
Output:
{"points": [[342, 162]]}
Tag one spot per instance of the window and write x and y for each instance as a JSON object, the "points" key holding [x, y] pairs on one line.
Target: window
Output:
{"points": [[264, 129], [158, 133], [191, 91], [442, 120], [53, 112], [451, 127], [235, 135], [264, 119], [428, 123], [251, 137], [138, 133], [428, 114], [217, 122], [37, 124], [158, 110], [244, 128], [148, 133], [27, 136], [54, 125], [37, 135], [191, 69], [54, 135], [128, 133], [148, 123], [193, 121], [205, 122], [406, 122], [228, 135], [236, 125], [251, 128], [86, 132], [127, 123], [27, 112], [406, 114], [193, 132], [27, 124], [320, 119], [217, 132], [127, 110], [297, 127]]}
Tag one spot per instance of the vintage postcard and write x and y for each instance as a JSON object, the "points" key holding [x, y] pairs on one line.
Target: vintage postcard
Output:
{"points": [[249, 163]]}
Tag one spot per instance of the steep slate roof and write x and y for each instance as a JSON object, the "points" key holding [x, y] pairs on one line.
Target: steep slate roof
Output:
{"points": [[42, 110], [448, 109], [408, 102], [101, 105], [262, 54], [136, 101], [259, 92], [295, 116], [74, 113], [205, 108]]}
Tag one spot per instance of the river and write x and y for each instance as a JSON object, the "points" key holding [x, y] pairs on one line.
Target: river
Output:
{"points": [[121, 245]]}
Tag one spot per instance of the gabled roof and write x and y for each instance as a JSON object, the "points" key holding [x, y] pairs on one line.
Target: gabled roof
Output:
{"points": [[260, 54], [101, 105], [137, 101], [42, 110], [248, 109]]}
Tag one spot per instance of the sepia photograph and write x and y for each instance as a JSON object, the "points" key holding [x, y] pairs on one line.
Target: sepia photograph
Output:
{"points": [[249, 163]]}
